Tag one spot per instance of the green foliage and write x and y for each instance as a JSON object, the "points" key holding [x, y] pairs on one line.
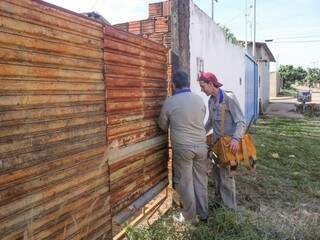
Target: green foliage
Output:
{"points": [[280, 201], [290, 74], [313, 76], [223, 224], [292, 92], [288, 187], [229, 35]]}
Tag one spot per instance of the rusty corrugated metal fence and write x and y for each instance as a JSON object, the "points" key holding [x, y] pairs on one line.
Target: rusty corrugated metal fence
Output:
{"points": [[136, 79], [78, 138]]}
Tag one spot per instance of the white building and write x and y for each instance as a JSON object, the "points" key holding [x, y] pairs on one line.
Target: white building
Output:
{"points": [[210, 50], [197, 44]]}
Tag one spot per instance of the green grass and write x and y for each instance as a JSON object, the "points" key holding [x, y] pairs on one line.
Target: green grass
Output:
{"points": [[280, 201], [223, 224], [290, 92]]}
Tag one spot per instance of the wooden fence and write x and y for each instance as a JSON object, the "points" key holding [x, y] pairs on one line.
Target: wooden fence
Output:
{"points": [[78, 138]]}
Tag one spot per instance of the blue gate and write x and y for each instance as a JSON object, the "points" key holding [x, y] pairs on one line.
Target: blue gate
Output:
{"points": [[251, 96]]}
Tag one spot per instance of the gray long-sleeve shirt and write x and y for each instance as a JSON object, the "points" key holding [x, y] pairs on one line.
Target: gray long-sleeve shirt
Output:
{"points": [[184, 113], [234, 123]]}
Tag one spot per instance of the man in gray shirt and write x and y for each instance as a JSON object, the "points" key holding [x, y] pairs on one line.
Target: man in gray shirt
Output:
{"points": [[184, 114], [234, 126]]}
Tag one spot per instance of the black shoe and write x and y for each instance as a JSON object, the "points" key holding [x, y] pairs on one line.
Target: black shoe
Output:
{"points": [[205, 220]]}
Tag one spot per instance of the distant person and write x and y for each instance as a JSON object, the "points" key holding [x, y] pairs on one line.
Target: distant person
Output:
{"points": [[234, 126], [184, 114]]}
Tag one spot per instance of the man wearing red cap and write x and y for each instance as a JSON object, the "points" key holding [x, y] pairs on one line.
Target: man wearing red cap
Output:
{"points": [[234, 126]]}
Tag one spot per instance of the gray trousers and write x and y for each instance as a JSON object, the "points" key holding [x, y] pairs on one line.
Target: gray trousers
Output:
{"points": [[225, 186], [190, 179]]}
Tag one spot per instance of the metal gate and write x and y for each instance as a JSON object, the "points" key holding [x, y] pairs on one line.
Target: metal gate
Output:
{"points": [[251, 96]]}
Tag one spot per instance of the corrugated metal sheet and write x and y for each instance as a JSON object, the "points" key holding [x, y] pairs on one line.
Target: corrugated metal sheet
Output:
{"points": [[53, 180], [136, 79], [63, 162]]}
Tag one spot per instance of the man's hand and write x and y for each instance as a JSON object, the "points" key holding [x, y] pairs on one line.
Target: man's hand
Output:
{"points": [[234, 146]]}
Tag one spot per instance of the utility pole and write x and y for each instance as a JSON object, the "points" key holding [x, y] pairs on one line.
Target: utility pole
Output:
{"points": [[246, 23], [254, 28], [247, 15], [212, 9]]}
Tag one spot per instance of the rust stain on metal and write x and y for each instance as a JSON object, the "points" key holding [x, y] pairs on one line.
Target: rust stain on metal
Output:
{"points": [[52, 124], [136, 85], [72, 90]]}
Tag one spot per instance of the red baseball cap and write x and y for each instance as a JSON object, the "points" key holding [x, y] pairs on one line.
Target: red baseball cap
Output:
{"points": [[210, 77]]}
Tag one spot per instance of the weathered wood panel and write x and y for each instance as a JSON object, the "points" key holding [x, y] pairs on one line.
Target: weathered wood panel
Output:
{"points": [[54, 176], [137, 81]]}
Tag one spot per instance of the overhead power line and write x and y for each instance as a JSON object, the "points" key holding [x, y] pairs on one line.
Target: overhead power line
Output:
{"points": [[310, 41], [234, 18], [300, 38]]}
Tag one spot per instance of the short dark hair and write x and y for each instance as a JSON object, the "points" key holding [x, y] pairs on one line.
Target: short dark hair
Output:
{"points": [[181, 79]]}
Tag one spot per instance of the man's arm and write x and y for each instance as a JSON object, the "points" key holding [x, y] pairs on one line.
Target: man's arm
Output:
{"points": [[208, 125], [238, 118], [163, 120]]}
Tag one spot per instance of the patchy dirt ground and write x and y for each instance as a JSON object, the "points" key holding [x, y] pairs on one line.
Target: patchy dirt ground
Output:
{"points": [[280, 201], [282, 109], [286, 188], [285, 106]]}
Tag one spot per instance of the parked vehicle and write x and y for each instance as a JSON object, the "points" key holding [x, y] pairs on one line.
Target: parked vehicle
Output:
{"points": [[304, 96]]}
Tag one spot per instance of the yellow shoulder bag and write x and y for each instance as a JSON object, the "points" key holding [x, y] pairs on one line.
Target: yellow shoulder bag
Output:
{"points": [[246, 155]]}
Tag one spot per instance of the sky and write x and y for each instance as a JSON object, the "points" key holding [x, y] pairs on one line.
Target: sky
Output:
{"points": [[292, 25]]}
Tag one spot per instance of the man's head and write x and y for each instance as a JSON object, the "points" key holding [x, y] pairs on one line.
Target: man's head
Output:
{"points": [[180, 80], [209, 83]]}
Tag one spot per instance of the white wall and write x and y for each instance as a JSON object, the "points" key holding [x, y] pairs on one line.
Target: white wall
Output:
{"points": [[225, 60], [274, 84], [264, 88]]}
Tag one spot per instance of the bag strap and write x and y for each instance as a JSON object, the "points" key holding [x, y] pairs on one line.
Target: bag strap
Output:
{"points": [[222, 112]]}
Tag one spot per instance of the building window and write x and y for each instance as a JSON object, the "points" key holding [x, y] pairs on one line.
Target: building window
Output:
{"points": [[259, 81], [200, 65]]}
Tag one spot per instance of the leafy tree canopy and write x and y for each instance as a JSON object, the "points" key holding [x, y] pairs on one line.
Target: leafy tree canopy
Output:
{"points": [[313, 76], [290, 75]]}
